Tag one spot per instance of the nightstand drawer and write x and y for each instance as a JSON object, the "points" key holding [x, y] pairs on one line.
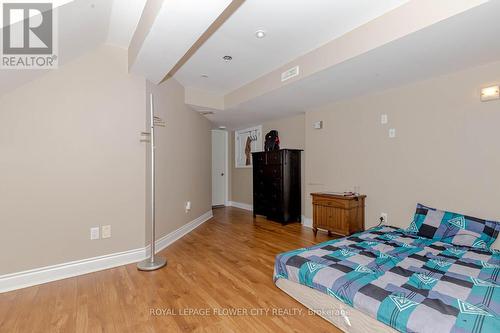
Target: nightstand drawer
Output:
{"points": [[333, 203], [341, 215]]}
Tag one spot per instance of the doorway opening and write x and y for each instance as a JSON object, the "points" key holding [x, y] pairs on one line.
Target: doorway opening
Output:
{"points": [[220, 168]]}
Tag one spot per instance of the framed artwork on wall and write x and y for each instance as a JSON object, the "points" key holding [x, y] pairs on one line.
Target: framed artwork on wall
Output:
{"points": [[246, 142]]}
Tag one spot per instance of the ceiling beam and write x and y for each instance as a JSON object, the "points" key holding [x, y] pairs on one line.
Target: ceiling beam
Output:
{"points": [[402, 21], [170, 29], [206, 35]]}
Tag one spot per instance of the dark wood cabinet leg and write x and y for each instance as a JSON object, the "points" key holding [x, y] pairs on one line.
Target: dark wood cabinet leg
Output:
{"points": [[329, 233], [315, 230]]}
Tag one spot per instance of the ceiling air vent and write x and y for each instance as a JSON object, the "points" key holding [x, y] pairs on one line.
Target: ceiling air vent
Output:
{"points": [[292, 72]]}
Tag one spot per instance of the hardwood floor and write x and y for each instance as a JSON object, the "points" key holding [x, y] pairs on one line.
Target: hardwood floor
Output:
{"points": [[226, 263]]}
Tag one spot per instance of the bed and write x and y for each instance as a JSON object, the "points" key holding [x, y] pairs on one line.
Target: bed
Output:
{"points": [[387, 279]]}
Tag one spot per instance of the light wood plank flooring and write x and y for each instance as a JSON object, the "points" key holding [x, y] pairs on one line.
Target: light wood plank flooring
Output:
{"points": [[226, 263]]}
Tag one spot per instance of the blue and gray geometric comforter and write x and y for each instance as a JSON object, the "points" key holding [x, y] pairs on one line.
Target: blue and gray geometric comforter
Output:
{"points": [[410, 283]]}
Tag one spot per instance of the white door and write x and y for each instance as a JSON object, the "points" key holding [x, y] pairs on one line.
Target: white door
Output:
{"points": [[219, 166]]}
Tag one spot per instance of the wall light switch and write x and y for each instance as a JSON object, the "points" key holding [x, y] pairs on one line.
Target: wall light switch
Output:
{"points": [[384, 119], [392, 133], [94, 233], [106, 231], [318, 124]]}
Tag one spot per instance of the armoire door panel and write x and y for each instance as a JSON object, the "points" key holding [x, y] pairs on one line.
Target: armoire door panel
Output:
{"points": [[277, 184]]}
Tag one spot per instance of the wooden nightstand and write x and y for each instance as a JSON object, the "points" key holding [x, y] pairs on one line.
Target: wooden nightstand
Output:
{"points": [[338, 214]]}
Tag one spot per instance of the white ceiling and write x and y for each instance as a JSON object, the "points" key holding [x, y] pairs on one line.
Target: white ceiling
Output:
{"points": [[466, 40], [177, 26], [294, 27], [83, 26], [55, 4], [125, 16]]}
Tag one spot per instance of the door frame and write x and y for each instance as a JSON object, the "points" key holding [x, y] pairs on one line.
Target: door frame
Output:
{"points": [[226, 157]]}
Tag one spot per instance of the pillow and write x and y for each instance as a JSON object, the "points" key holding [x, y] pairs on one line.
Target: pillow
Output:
{"points": [[453, 228]]}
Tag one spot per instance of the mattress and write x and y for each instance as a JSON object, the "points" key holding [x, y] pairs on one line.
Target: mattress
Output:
{"points": [[336, 312], [406, 282]]}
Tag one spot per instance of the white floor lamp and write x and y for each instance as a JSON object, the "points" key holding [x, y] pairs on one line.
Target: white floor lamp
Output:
{"points": [[153, 262]]}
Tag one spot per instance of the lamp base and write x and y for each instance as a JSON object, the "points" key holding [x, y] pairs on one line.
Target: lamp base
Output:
{"points": [[148, 265]]}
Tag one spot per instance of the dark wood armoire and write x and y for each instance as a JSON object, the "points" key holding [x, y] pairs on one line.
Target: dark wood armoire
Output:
{"points": [[277, 185]]}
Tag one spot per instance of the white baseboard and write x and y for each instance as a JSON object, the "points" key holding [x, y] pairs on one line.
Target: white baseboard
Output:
{"points": [[307, 222], [240, 205], [166, 240], [46, 274], [62, 271]]}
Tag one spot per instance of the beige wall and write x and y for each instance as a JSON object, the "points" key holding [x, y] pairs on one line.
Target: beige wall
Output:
{"points": [[70, 159], [292, 135], [446, 153], [70, 156], [183, 159], [241, 179]]}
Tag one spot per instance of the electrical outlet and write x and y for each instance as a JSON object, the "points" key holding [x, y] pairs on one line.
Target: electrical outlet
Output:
{"points": [[106, 231], [384, 119], [94, 233], [392, 133], [188, 206], [383, 217]]}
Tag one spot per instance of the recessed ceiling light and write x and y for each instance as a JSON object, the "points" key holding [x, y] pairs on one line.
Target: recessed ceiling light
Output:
{"points": [[205, 76], [260, 34], [227, 58]]}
